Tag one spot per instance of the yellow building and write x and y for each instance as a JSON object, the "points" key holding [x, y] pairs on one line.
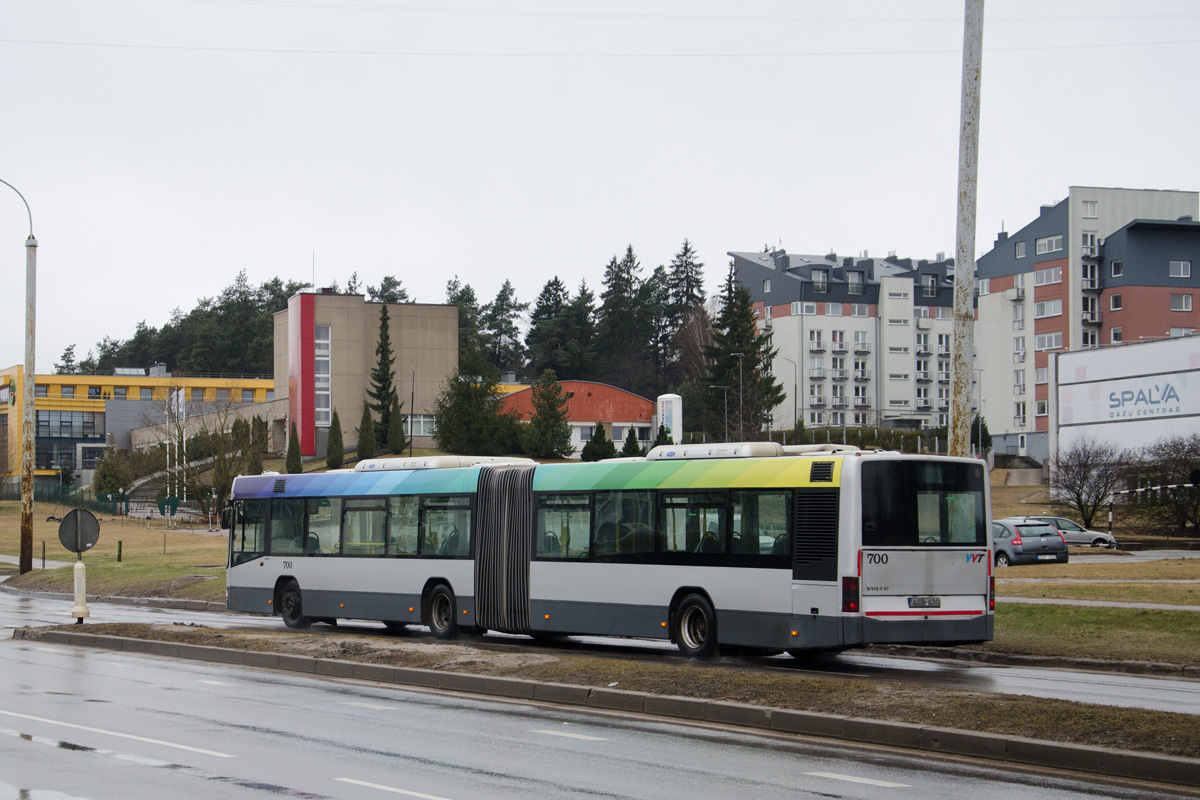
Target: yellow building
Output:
{"points": [[75, 413]]}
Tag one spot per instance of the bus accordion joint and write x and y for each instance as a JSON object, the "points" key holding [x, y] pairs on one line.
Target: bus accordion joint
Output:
{"points": [[849, 594]]}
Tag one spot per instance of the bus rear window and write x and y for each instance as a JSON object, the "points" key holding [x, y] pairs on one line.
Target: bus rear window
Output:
{"points": [[923, 504]]}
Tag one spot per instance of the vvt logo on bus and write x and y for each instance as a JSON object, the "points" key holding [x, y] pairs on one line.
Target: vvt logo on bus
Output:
{"points": [[974, 558]]}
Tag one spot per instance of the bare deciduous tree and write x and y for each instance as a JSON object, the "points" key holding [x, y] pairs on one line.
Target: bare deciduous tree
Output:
{"points": [[1169, 463], [1084, 474]]}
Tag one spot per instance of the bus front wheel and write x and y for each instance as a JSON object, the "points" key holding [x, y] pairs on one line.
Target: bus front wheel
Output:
{"points": [[442, 611], [291, 606], [696, 627]]}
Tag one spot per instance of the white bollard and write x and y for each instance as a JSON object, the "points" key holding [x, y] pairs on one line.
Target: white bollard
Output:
{"points": [[80, 610]]}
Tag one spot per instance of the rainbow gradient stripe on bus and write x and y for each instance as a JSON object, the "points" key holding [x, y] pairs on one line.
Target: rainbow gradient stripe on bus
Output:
{"points": [[362, 484], [758, 473]]}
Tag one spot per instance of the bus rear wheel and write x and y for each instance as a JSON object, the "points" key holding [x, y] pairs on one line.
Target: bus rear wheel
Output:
{"points": [[442, 613], [291, 606], [696, 627]]}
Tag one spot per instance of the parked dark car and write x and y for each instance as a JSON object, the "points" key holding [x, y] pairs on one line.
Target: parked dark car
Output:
{"points": [[1076, 534], [1017, 540]]}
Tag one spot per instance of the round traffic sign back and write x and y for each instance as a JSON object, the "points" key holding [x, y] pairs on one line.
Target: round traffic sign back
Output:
{"points": [[79, 530]]}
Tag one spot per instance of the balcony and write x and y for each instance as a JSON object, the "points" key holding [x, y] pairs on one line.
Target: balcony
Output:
{"points": [[820, 286], [862, 374], [839, 347], [1091, 317], [862, 348], [1018, 422], [943, 377], [1018, 388], [839, 374], [1090, 251], [943, 351], [816, 347], [943, 405], [816, 400], [839, 402], [1019, 357], [924, 404], [855, 288], [924, 377], [1016, 294], [923, 349], [816, 374], [1018, 324], [1091, 284], [923, 323], [862, 402]]}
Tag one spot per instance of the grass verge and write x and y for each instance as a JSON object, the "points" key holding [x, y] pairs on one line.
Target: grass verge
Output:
{"points": [[1178, 594], [1054, 720]]}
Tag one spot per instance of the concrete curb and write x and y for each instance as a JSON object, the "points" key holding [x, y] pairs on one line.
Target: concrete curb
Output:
{"points": [[997, 747]]}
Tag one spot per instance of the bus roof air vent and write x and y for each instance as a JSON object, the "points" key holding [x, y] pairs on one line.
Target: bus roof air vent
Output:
{"points": [[280, 485], [822, 472]]}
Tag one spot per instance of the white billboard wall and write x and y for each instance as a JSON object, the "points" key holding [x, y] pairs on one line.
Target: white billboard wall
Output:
{"points": [[1126, 395]]}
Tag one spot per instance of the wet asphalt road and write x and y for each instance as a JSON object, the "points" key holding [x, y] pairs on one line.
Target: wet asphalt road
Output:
{"points": [[89, 724]]}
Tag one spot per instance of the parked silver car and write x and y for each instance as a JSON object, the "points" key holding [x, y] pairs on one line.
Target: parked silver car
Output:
{"points": [[1017, 540], [1077, 534]]}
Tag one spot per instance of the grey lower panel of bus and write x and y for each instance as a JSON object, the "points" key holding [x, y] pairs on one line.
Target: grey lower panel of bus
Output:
{"points": [[918, 631], [343, 605]]}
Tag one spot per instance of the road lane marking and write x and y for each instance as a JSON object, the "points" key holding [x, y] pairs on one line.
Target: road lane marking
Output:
{"points": [[369, 705], [391, 789], [217, 683], [835, 776], [566, 735], [119, 735]]}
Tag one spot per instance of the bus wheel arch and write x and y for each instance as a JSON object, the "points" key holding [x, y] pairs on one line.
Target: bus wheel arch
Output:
{"points": [[693, 623], [289, 603], [439, 608]]}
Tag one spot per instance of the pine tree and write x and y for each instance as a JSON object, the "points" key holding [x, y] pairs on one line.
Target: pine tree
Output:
{"points": [[624, 327], [548, 434], [294, 465], [632, 446], [335, 450], [500, 326], [470, 340], [366, 434], [67, 365], [599, 447], [686, 282], [546, 342], [740, 359], [468, 414], [663, 438], [389, 291], [395, 435], [382, 391]]}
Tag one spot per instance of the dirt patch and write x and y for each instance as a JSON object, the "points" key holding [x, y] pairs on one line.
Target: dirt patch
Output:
{"points": [[781, 685]]}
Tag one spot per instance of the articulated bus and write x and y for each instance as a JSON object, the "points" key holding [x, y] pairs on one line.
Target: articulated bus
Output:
{"points": [[751, 546]]}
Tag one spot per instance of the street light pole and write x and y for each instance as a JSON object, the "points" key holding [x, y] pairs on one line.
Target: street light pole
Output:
{"points": [[412, 409], [741, 399], [726, 390], [25, 561]]}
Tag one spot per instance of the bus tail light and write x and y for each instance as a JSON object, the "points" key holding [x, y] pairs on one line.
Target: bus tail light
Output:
{"points": [[849, 595], [992, 593]]}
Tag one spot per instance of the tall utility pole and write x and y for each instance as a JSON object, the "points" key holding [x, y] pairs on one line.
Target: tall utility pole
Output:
{"points": [[25, 560], [962, 356], [741, 399]]}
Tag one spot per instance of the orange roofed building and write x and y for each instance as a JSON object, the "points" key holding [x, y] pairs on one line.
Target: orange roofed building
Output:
{"points": [[591, 403]]}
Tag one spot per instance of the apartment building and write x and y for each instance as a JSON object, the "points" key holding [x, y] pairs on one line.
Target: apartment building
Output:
{"points": [[1101, 267], [864, 341]]}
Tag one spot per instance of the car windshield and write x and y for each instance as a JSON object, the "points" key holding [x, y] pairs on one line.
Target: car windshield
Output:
{"points": [[1037, 530]]}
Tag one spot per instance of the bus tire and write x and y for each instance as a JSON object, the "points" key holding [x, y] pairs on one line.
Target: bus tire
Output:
{"points": [[291, 606], [443, 619], [696, 627]]}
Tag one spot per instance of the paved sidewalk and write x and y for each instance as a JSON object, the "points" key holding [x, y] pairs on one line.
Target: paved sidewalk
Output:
{"points": [[37, 562]]}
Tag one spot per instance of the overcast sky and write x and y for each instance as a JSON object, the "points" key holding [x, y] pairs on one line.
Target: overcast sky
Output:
{"points": [[165, 145]]}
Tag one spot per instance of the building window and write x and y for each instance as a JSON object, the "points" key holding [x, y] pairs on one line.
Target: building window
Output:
{"points": [[860, 310], [1089, 209], [1116, 335], [1042, 408], [585, 433], [1175, 333], [147, 393], [766, 287], [1114, 302], [1090, 339], [897, 322], [833, 309], [1047, 276], [1019, 249], [69, 391], [270, 395], [1118, 269], [1041, 375], [1049, 341], [1181, 302], [1181, 269], [119, 393], [921, 312], [247, 395], [1090, 240], [322, 387], [982, 286], [930, 285], [93, 393], [803, 309], [1047, 308], [854, 282], [820, 280], [1019, 414], [1018, 381], [1049, 244]]}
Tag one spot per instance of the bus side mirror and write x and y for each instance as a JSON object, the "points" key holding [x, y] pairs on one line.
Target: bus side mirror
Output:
{"points": [[227, 518]]}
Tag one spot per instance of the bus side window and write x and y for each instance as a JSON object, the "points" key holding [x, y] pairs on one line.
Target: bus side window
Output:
{"points": [[761, 524], [402, 526], [325, 522], [249, 536]]}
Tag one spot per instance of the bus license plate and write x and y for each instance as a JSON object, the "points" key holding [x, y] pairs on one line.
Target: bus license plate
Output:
{"points": [[924, 602]]}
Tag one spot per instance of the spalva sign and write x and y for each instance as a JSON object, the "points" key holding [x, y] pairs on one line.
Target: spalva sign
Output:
{"points": [[1153, 401]]}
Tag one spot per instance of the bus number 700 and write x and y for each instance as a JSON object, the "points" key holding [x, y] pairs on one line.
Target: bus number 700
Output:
{"points": [[877, 558]]}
